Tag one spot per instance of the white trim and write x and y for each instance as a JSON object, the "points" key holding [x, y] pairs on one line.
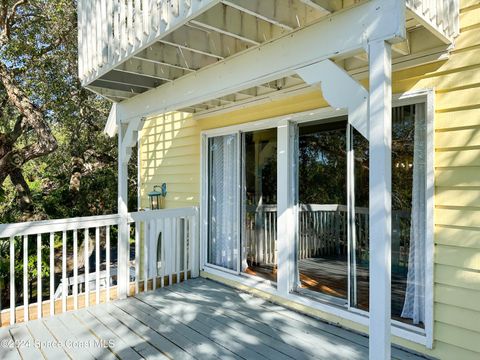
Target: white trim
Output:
{"points": [[430, 222], [380, 199], [402, 330]]}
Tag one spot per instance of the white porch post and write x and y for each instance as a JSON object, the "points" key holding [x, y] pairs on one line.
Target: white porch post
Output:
{"points": [[123, 236], [285, 209], [380, 109]]}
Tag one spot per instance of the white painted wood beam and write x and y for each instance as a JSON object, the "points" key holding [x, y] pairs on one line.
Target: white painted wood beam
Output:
{"points": [[369, 21], [380, 195], [133, 79], [285, 209], [154, 70], [123, 236], [251, 7], [159, 62], [171, 54], [110, 93], [232, 22], [224, 31], [115, 86], [328, 6]]}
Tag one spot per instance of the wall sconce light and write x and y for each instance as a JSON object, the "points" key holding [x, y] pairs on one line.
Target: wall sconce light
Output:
{"points": [[157, 196]]}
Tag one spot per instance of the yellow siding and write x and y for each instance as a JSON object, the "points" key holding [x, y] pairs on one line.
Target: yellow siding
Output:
{"points": [[170, 152]]}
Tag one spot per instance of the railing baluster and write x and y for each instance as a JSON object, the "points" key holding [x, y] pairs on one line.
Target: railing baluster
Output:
{"points": [[152, 263], [130, 32], [39, 276], [168, 249], [75, 269], [25, 278], [195, 246], [145, 256], [110, 22], [162, 252], [116, 30], [13, 304], [107, 252], [64, 271], [52, 275], [185, 248], [146, 15], [97, 265], [138, 21], [177, 248], [87, 268], [129, 230], [137, 255]]}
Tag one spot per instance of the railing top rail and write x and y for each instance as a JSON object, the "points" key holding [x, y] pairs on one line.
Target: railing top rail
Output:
{"points": [[164, 213], [47, 226]]}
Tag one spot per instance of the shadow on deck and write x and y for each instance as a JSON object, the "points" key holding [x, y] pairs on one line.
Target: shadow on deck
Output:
{"points": [[198, 319]]}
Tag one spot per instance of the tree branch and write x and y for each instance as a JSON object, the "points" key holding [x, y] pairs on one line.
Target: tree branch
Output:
{"points": [[24, 197]]}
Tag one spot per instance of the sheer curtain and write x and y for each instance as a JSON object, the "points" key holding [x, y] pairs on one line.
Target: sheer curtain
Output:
{"points": [[414, 305], [223, 201]]}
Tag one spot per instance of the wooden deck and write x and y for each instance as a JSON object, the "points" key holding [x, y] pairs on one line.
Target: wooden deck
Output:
{"points": [[198, 319]]}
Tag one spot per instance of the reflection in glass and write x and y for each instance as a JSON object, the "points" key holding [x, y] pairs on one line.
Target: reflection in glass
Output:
{"points": [[260, 203], [408, 232], [322, 210]]}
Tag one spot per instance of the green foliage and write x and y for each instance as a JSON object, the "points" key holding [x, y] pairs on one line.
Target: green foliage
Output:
{"points": [[80, 177]]}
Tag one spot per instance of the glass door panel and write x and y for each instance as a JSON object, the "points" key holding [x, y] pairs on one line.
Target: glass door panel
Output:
{"points": [[322, 208], [359, 284], [408, 198], [223, 201], [260, 203]]}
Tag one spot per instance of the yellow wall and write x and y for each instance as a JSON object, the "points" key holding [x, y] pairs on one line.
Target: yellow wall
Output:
{"points": [[170, 152]]}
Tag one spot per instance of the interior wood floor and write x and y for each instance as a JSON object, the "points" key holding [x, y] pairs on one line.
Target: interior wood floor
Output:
{"points": [[197, 319], [329, 276]]}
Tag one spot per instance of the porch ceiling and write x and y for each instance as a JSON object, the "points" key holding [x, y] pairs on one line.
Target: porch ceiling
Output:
{"points": [[228, 28]]}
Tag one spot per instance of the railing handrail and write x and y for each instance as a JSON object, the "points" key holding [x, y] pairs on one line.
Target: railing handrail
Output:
{"points": [[162, 213], [48, 226], [318, 207]]}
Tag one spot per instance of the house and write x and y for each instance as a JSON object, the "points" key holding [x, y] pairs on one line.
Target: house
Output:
{"points": [[319, 154]]}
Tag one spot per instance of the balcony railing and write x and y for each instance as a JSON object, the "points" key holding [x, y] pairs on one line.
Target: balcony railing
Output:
{"points": [[60, 265], [439, 15], [322, 232], [111, 30]]}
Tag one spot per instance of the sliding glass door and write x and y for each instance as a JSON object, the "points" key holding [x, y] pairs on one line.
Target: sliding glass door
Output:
{"points": [[224, 201], [242, 202], [331, 178], [322, 246], [260, 203], [332, 249]]}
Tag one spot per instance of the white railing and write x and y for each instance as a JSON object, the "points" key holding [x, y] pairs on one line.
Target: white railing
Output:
{"points": [[322, 232], [439, 15], [60, 265], [111, 30]]}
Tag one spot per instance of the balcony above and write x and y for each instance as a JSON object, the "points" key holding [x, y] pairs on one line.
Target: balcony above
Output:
{"points": [[128, 47]]}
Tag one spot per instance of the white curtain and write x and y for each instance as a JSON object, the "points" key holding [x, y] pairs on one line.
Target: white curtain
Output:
{"points": [[224, 201], [414, 305]]}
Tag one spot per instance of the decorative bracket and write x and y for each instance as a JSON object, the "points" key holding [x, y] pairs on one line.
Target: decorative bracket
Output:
{"points": [[130, 137], [340, 90]]}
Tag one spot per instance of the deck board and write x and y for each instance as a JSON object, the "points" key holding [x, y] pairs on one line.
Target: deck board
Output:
{"points": [[197, 319]]}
